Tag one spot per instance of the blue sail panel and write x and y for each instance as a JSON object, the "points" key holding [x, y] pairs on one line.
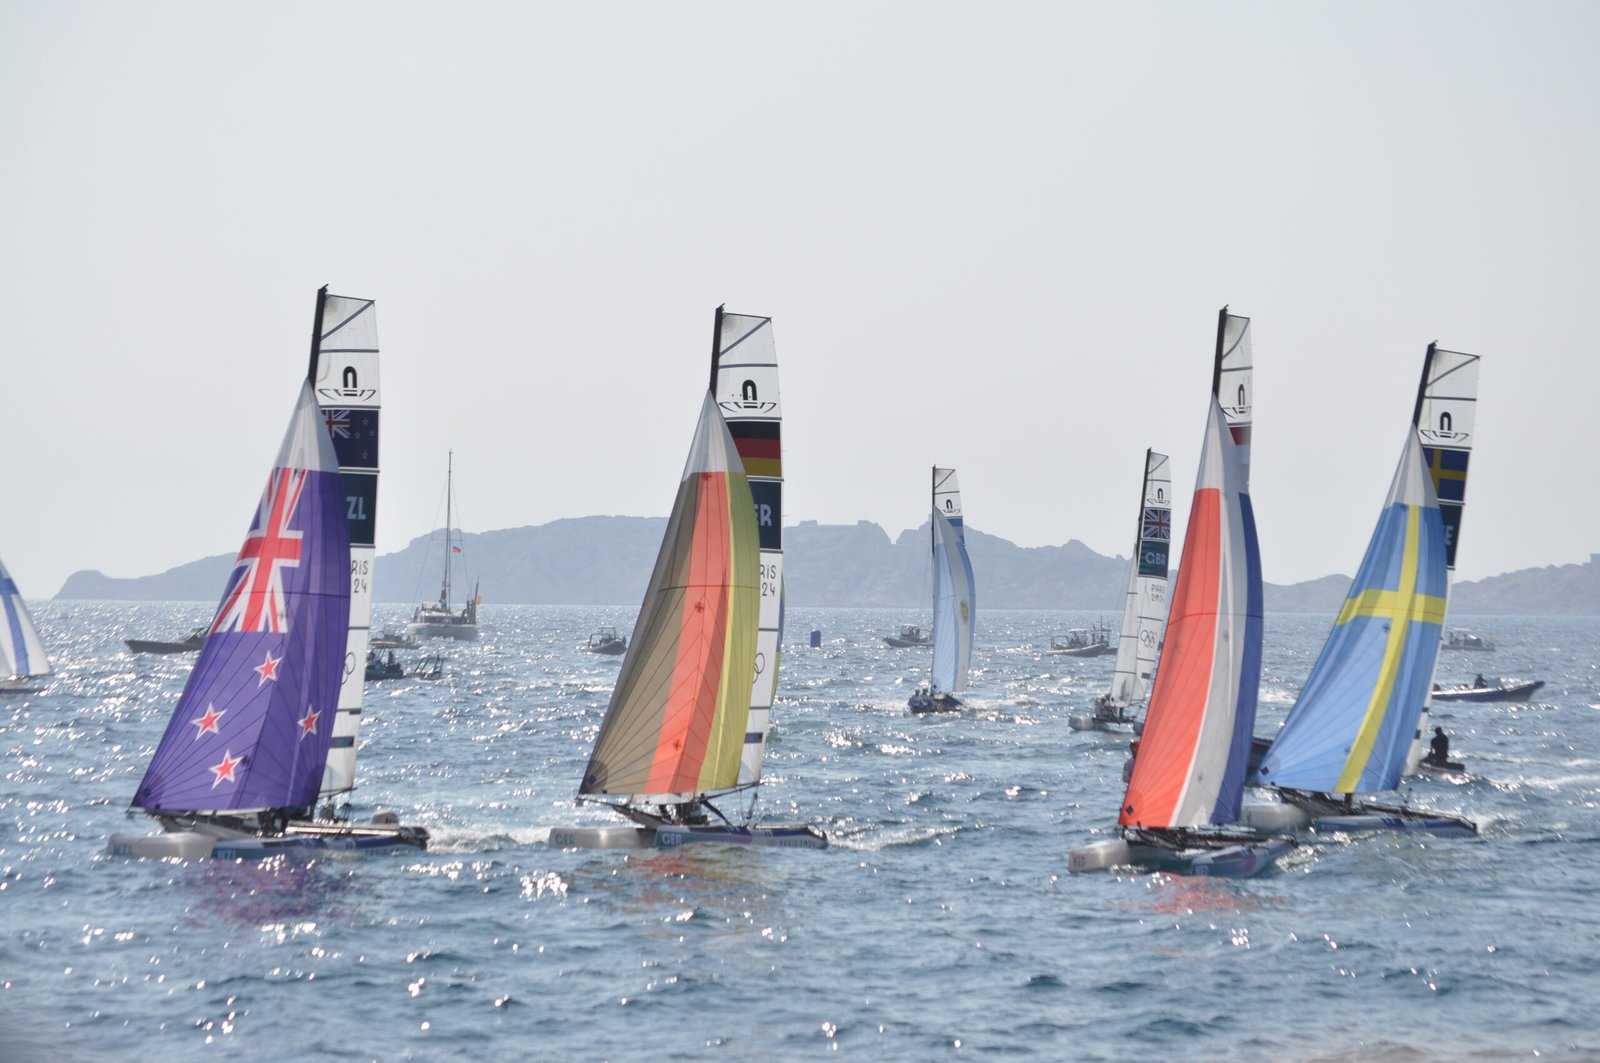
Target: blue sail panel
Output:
{"points": [[252, 727], [1351, 727]]}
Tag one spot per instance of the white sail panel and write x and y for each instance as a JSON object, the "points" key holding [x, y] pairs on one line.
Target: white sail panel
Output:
{"points": [[1233, 383], [746, 391], [953, 607], [21, 651], [1145, 604], [947, 498], [344, 376]]}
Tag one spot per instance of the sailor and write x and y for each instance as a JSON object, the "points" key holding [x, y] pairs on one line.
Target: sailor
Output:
{"points": [[1439, 748], [1480, 681], [1127, 767]]}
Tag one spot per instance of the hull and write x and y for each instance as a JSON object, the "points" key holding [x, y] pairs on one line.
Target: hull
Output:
{"points": [[1082, 651], [674, 836], [1440, 825], [921, 705], [1514, 692], [147, 646], [20, 685], [427, 630], [299, 837], [610, 649], [901, 644], [1095, 722], [1240, 860]]}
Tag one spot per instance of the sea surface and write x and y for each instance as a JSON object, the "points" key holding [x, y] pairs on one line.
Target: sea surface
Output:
{"points": [[941, 923]]}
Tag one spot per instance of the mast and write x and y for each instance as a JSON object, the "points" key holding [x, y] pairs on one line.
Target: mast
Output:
{"points": [[1216, 363], [449, 492], [716, 348], [316, 334]]}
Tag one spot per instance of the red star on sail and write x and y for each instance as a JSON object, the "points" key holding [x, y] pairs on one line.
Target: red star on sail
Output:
{"points": [[224, 771], [308, 725], [208, 722], [268, 669]]}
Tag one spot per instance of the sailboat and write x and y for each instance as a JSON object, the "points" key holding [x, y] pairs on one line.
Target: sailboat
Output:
{"points": [[1145, 604], [954, 594], [22, 656], [441, 620], [1188, 775], [688, 719], [1350, 730], [246, 752]]}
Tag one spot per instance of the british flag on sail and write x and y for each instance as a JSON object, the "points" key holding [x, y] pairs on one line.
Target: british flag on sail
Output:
{"points": [[251, 729]]}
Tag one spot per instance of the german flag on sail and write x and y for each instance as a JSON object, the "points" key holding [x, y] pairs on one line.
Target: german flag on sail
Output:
{"points": [[759, 447]]}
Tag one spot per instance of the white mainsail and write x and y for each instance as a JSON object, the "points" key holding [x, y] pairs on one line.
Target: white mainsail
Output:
{"points": [[745, 386], [1445, 416], [344, 374], [1145, 606], [21, 652]]}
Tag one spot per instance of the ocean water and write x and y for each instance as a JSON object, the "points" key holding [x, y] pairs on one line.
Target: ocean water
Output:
{"points": [[941, 923]]}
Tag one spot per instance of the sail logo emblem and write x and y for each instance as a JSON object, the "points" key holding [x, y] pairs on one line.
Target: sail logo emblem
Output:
{"points": [[350, 388], [1157, 524], [256, 599], [749, 400]]}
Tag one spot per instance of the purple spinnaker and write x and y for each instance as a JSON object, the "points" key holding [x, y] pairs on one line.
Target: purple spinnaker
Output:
{"points": [[251, 730]]}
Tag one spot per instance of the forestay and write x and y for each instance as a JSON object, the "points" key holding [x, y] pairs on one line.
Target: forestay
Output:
{"points": [[745, 383], [1145, 605], [252, 727], [1351, 727], [676, 725], [954, 590], [344, 373]]}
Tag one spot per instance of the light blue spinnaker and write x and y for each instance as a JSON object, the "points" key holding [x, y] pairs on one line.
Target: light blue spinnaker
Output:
{"points": [[1352, 725]]}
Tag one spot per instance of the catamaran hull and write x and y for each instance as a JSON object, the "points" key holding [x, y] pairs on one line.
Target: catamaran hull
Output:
{"points": [[1098, 723], [673, 836], [1274, 818], [1233, 861], [19, 685], [459, 632], [1514, 692], [1439, 825], [303, 837]]}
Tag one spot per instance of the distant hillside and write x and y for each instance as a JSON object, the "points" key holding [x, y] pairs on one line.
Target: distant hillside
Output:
{"points": [[607, 561]]}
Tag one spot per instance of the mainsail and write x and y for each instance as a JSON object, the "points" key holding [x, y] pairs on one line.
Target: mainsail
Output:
{"points": [[1445, 414], [1351, 727], [744, 381], [676, 725], [1190, 769], [954, 591], [252, 728], [1145, 604], [344, 374], [21, 652]]}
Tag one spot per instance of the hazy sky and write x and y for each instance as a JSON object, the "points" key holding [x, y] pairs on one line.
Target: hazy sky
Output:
{"points": [[993, 236]]}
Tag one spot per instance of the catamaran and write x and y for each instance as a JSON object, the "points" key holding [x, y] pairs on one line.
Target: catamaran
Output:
{"points": [[1188, 775], [441, 620], [1144, 605], [251, 744], [23, 660], [1350, 729], [688, 720], [954, 600]]}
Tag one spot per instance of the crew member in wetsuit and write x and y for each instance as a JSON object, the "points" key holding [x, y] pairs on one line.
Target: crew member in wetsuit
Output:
{"points": [[1439, 748]]}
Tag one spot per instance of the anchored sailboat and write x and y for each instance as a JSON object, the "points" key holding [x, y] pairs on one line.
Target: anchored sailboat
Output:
{"points": [[1351, 728], [244, 757], [688, 718], [441, 620], [954, 599], [22, 656], [1145, 604], [1188, 775]]}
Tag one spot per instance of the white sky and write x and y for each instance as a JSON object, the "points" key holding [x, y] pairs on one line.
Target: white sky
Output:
{"points": [[993, 236]]}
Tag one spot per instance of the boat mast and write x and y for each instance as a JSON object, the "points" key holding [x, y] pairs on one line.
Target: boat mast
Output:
{"points": [[449, 490], [1422, 385], [316, 335], [1216, 364], [716, 347]]}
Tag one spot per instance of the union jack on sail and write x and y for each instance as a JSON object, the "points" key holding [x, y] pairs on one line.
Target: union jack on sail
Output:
{"points": [[1157, 524], [255, 600]]}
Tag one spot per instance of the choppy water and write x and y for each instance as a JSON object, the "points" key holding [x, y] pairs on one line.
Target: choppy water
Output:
{"points": [[942, 922]]}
